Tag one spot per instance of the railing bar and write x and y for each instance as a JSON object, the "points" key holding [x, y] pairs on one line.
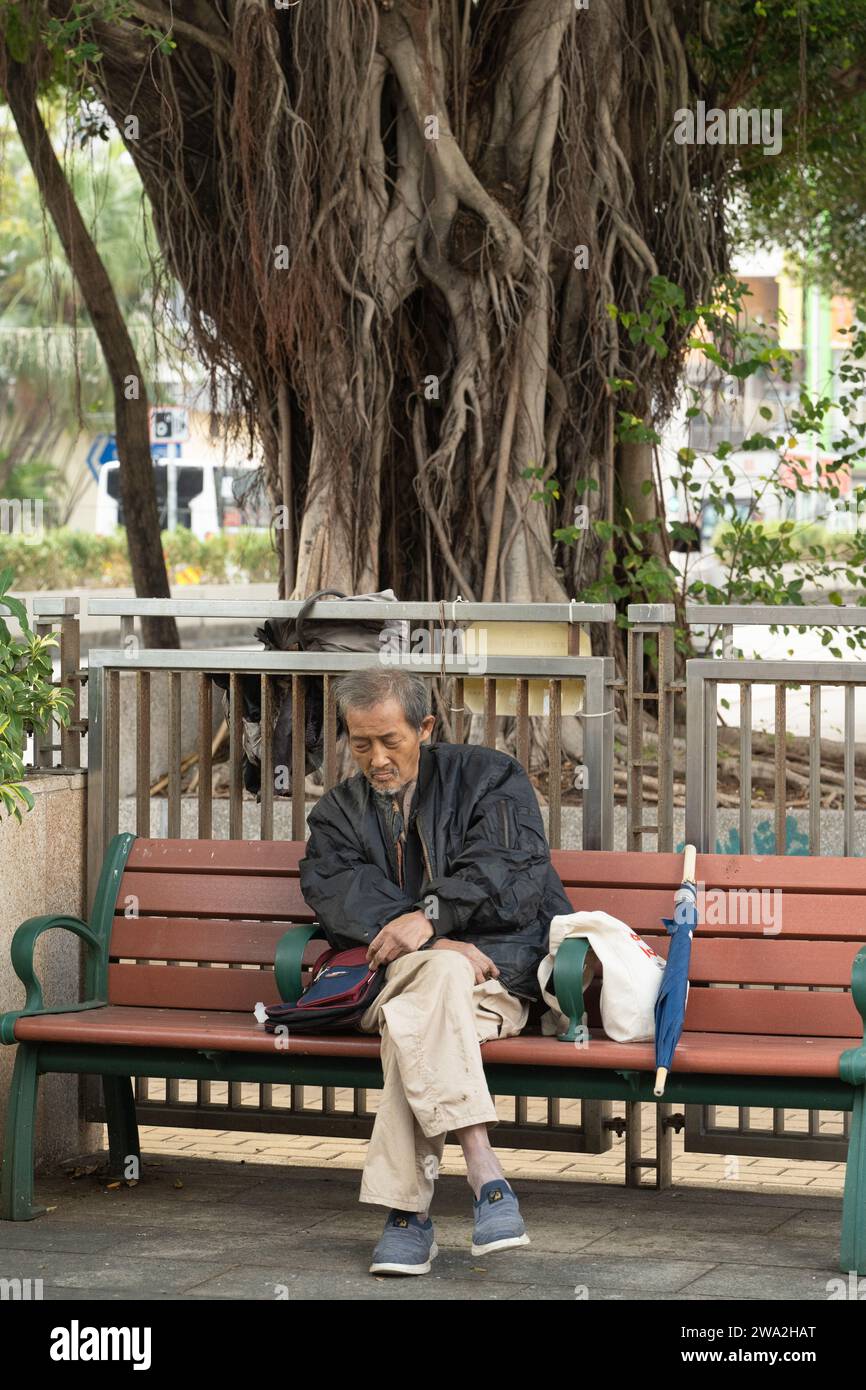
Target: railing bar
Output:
{"points": [[814, 769], [299, 761], [142, 753], [634, 743], [425, 612], [111, 782], [554, 766], [848, 770], [236, 740], [665, 810], [329, 701], [174, 754], [70, 663], [266, 821], [780, 810], [745, 768], [712, 763], [459, 710], [523, 724], [205, 757], [489, 712]]}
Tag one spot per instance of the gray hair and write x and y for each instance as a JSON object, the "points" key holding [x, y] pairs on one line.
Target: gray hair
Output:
{"points": [[363, 689]]}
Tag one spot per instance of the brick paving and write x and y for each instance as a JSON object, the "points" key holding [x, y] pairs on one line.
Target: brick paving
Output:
{"points": [[723, 1171]]}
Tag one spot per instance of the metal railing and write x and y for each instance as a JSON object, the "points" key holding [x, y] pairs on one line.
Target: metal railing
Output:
{"points": [[823, 1135], [108, 668], [703, 679], [533, 1123]]}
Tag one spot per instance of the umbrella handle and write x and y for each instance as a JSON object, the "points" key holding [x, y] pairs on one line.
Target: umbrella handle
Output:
{"points": [[661, 1078], [689, 861]]}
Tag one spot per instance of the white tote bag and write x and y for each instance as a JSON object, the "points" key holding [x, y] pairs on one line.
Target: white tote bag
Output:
{"points": [[631, 975]]}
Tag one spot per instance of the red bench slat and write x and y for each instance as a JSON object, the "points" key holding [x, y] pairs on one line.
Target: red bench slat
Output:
{"points": [[189, 987], [802, 873], [197, 939], [744, 1055]]}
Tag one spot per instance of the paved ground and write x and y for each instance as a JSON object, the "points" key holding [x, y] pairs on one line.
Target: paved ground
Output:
{"points": [[204, 1229], [218, 1216]]}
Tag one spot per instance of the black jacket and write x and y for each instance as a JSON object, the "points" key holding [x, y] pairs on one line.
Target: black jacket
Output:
{"points": [[478, 826]]}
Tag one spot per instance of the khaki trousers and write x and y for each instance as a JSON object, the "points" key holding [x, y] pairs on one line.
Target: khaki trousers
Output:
{"points": [[432, 1017]]}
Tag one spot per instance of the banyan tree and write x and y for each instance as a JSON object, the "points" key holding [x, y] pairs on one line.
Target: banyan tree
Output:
{"points": [[399, 226]]}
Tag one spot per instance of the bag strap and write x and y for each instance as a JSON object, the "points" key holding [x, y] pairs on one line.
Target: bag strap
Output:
{"points": [[304, 610]]}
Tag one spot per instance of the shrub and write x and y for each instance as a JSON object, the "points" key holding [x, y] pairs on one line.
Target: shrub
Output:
{"points": [[28, 700]]}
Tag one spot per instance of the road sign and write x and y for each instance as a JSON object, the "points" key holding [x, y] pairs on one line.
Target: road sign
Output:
{"points": [[168, 424]]}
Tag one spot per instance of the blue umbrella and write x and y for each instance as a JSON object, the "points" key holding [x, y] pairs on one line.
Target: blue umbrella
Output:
{"points": [[670, 1009]]}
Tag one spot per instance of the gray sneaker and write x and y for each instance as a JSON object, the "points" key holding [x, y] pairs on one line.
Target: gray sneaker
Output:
{"points": [[407, 1245], [498, 1223]]}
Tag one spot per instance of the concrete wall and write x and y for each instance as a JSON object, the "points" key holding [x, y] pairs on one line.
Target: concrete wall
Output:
{"points": [[42, 869]]}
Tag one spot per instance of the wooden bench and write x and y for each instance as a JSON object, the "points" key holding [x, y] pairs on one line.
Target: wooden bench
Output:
{"points": [[169, 913]]}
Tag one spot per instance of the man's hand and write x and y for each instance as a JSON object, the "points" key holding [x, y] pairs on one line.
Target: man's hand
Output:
{"points": [[397, 938], [484, 967]]}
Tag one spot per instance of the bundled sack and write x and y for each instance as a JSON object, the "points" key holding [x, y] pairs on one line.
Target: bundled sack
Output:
{"points": [[631, 975], [304, 634], [342, 989]]}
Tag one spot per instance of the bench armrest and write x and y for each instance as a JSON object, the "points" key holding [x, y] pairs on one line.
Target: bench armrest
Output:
{"points": [[289, 958], [568, 966], [852, 1064], [23, 946]]}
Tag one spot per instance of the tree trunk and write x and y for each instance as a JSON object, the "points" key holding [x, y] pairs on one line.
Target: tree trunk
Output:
{"points": [[137, 485]]}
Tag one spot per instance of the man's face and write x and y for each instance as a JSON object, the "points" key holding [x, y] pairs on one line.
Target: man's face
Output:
{"points": [[384, 745]]}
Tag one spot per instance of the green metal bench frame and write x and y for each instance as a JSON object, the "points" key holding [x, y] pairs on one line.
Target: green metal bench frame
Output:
{"points": [[117, 1065]]}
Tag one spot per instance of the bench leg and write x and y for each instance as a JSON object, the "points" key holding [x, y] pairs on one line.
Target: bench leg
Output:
{"points": [[853, 1252], [16, 1186], [122, 1127]]}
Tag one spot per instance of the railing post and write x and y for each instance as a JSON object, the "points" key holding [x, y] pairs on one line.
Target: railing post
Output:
{"points": [[597, 717], [96, 840], [695, 789], [49, 615], [657, 619]]}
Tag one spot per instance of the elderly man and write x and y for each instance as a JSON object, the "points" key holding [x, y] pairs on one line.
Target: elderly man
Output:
{"points": [[434, 856]]}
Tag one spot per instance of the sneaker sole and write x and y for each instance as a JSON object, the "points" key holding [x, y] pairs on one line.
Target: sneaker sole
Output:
{"points": [[508, 1243], [394, 1268]]}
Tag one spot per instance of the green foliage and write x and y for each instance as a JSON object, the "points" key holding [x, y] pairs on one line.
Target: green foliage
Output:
{"points": [[806, 58], [766, 562], [62, 558], [70, 41], [28, 700]]}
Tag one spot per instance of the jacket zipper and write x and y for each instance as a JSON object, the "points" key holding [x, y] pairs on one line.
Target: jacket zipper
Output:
{"points": [[427, 864], [390, 846]]}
